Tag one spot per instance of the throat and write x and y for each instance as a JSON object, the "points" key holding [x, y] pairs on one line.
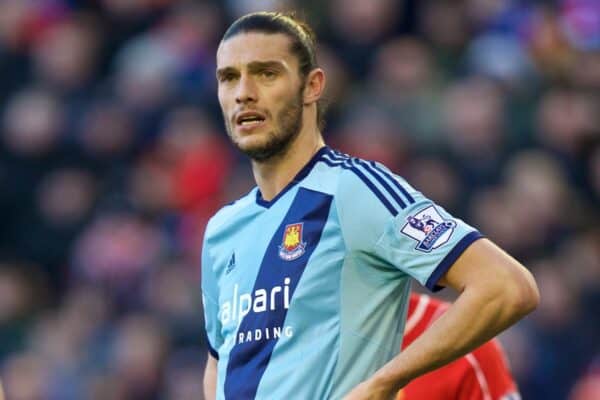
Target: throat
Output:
{"points": [[274, 175]]}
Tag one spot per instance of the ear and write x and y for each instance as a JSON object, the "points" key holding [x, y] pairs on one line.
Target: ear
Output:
{"points": [[315, 85]]}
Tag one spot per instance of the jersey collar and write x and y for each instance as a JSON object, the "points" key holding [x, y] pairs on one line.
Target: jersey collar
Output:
{"points": [[299, 176]]}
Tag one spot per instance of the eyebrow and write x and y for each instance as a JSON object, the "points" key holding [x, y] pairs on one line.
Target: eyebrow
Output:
{"points": [[260, 65], [253, 67]]}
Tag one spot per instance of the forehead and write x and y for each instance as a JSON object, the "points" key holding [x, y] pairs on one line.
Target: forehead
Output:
{"points": [[245, 48]]}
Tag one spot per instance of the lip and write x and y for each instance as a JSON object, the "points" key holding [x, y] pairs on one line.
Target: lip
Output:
{"points": [[248, 113], [252, 126]]}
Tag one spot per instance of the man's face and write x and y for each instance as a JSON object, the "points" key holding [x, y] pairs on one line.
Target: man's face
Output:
{"points": [[260, 92]]}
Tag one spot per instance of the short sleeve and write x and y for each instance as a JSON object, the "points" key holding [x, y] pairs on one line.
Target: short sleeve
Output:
{"points": [[210, 304], [387, 220], [424, 240]]}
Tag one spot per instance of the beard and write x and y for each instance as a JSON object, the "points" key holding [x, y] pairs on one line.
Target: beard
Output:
{"points": [[288, 126]]}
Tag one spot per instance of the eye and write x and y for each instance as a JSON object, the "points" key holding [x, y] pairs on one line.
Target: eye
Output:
{"points": [[226, 78], [268, 74]]}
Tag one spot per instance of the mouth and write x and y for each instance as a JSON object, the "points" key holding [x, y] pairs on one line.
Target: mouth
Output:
{"points": [[248, 120]]}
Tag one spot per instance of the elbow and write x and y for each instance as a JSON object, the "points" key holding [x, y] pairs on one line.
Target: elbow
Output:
{"points": [[533, 297], [525, 295], [528, 300]]}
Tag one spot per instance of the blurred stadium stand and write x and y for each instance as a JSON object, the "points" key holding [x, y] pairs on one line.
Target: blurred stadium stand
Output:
{"points": [[113, 155]]}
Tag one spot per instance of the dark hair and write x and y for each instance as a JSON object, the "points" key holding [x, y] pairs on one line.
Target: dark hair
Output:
{"points": [[302, 36]]}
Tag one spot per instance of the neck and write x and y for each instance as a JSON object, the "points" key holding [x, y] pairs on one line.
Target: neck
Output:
{"points": [[274, 174]]}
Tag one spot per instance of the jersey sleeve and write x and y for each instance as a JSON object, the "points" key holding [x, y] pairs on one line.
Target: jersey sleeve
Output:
{"points": [[393, 224], [210, 304]]}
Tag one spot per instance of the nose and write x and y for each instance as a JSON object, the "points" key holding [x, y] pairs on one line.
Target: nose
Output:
{"points": [[246, 91]]}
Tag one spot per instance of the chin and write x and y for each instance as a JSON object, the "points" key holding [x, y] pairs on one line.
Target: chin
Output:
{"points": [[252, 147], [252, 143], [261, 150]]}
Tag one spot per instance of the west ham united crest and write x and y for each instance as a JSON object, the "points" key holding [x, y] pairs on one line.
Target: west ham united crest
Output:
{"points": [[292, 246], [429, 229]]}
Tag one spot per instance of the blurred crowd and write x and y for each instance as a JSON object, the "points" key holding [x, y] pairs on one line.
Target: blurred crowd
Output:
{"points": [[113, 156]]}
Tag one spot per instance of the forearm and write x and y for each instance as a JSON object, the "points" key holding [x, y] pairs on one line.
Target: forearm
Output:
{"points": [[465, 326], [488, 304], [210, 379]]}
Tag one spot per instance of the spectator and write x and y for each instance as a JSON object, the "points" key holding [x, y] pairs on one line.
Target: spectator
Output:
{"points": [[112, 158]]}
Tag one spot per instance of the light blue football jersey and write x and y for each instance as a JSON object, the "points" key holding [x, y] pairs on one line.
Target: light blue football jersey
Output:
{"points": [[305, 296]]}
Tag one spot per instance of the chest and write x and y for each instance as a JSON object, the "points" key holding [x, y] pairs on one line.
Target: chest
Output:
{"points": [[275, 261]]}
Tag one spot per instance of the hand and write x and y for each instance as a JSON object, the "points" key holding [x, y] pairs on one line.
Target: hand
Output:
{"points": [[369, 390]]}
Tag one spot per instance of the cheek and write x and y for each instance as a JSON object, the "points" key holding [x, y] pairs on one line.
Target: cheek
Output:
{"points": [[224, 98], [280, 99]]}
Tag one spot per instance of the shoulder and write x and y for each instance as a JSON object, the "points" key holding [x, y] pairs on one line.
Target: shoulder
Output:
{"points": [[228, 213], [365, 180]]}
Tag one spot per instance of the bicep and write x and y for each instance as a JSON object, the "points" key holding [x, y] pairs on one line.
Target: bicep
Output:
{"points": [[485, 263]]}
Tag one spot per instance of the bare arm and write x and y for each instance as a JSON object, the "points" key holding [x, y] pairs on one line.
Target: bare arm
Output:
{"points": [[210, 378], [495, 292]]}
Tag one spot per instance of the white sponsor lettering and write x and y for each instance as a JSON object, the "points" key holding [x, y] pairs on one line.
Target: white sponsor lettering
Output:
{"points": [[260, 301], [264, 334]]}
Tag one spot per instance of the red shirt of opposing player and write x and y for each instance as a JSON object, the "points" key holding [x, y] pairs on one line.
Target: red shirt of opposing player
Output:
{"points": [[482, 374]]}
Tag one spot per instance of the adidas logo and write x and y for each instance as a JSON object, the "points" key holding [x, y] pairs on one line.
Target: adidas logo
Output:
{"points": [[231, 264]]}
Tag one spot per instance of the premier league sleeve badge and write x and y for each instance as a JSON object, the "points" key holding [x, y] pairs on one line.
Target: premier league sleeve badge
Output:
{"points": [[428, 228]]}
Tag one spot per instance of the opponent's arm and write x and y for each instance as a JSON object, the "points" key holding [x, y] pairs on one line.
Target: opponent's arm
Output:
{"points": [[210, 378], [495, 292]]}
